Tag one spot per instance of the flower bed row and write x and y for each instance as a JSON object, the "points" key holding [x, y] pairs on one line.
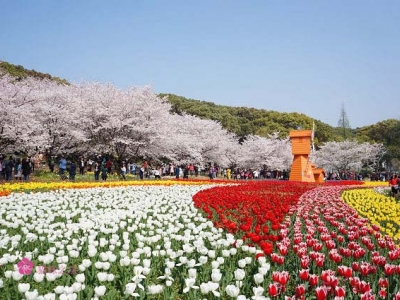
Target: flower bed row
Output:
{"points": [[7, 188], [379, 209]]}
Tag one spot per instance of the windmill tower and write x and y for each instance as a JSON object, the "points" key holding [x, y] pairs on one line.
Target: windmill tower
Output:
{"points": [[302, 168], [301, 146]]}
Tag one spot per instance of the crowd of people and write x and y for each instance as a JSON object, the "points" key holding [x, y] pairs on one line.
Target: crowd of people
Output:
{"points": [[102, 167], [16, 167]]}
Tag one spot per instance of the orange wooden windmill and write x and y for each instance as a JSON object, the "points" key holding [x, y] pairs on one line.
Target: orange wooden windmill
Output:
{"points": [[302, 169]]}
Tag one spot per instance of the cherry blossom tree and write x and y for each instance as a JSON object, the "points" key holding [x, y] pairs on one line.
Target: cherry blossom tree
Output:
{"points": [[272, 152], [19, 127], [348, 155]]}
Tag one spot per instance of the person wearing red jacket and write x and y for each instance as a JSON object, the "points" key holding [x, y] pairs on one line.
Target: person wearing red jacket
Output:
{"points": [[394, 184]]}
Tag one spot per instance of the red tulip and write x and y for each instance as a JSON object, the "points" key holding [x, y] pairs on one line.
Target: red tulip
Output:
{"points": [[313, 280], [321, 293], [345, 271], [300, 290], [340, 239], [383, 282], [281, 277], [273, 289], [304, 274], [320, 260], [304, 262], [340, 291], [382, 294], [389, 269], [355, 266], [367, 296], [364, 287], [394, 254]]}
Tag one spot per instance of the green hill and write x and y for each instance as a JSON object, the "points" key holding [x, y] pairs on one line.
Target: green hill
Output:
{"points": [[19, 72], [244, 120]]}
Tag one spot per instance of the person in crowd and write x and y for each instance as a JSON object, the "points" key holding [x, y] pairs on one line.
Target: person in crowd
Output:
{"points": [[109, 166], [18, 170], [50, 163], [104, 171], [72, 171], [32, 161], [211, 173], [394, 185], [133, 169], [26, 169], [96, 170], [141, 172], [89, 165], [191, 169], [62, 166], [9, 168], [156, 173], [81, 166], [123, 171], [228, 173], [186, 172]]}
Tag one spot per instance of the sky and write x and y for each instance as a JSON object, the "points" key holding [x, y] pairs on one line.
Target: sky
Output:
{"points": [[309, 57]]}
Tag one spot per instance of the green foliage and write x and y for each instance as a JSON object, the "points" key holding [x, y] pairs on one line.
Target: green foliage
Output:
{"points": [[19, 72], [386, 132], [244, 121]]}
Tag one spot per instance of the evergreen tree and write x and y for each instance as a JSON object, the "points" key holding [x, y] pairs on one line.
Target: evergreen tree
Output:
{"points": [[344, 123]]}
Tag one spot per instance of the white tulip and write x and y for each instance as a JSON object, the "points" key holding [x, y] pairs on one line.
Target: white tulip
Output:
{"points": [[216, 276], [106, 265], [49, 296], [38, 277], [258, 291], [110, 277], [16, 275], [155, 289], [146, 263], [211, 254], [232, 291], [248, 260], [86, 263], [221, 260], [100, 290], [76, 287], [80, 278], [59, 289], [239, 274], [31, 295], [204, 288], [23, 287], [258, 278], [242, 263], [102, 276], [192, 273]]}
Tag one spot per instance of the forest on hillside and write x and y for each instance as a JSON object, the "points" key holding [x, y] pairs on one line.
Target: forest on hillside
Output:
{"points": [[244, 121]]}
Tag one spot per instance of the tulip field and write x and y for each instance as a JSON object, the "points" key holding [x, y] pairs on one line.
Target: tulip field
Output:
{"points": [[178, 239]]}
